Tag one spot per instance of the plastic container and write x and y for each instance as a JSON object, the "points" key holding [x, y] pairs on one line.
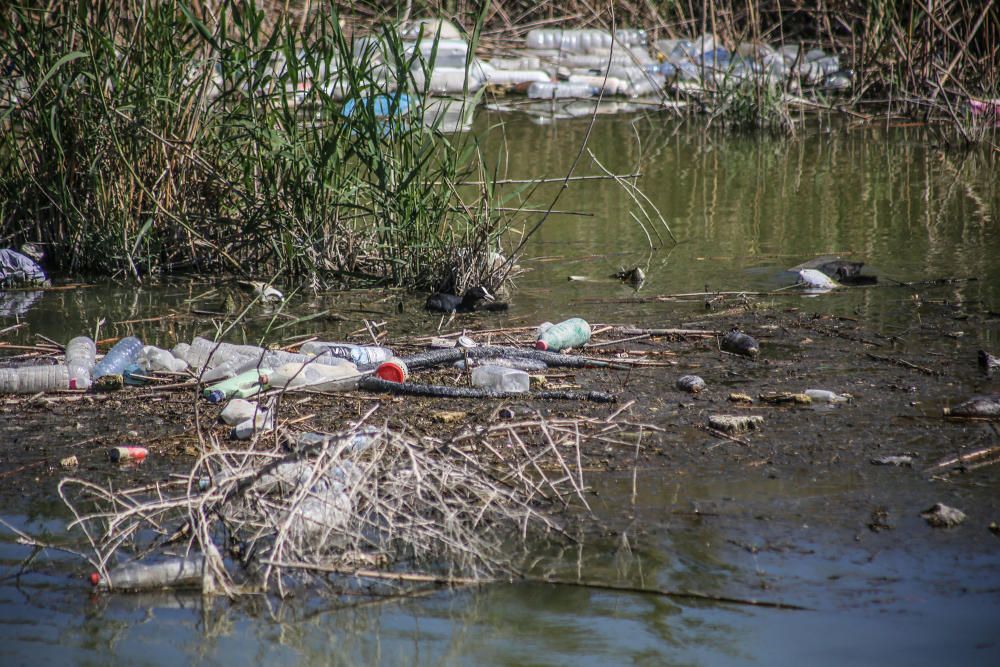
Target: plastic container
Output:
{"points": [[203, 352], [513, 77], [154, 359], [245, 384], [124, 454], [570, 333], [81, 353], [582, 40], [262, 421], [239, 410], [179, 572], [499, 378], [825, 396], [118, 358], [541, 90], [362, 355], [321, 377], [611, 85], [230, 367], [33, 379], [393, 370]]}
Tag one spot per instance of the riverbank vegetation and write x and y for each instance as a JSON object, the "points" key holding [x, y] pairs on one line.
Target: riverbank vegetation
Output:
{"points": [[216, 137]]}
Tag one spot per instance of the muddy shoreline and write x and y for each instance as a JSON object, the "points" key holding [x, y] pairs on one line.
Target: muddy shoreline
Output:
{"points": [[898, 389]]}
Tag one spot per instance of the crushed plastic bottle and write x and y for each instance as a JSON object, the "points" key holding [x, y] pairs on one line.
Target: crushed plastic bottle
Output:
{"points": [[499, 378], [826, 396], [814, 279], [541, 90], [118, 358], [569, 333], [81, 353]]}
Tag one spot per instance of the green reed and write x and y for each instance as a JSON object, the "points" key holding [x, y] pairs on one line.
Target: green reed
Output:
{"points": [[152, 139]]}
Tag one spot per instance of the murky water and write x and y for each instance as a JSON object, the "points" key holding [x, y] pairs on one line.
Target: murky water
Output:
{"points": [[743, 210]]}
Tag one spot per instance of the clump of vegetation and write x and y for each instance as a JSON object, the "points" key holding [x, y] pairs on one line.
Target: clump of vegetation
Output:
{"points": [[147, 138]]}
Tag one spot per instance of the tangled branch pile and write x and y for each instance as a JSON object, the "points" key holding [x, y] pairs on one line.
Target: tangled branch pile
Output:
{"points": [[379, 498]]}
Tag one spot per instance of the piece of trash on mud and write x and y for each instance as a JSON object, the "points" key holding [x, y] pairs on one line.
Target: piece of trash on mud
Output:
{"points": [[977, 406], [826, 396], [690, 383], [239, 410], [735, 423], [942, 516], [569, 333], [69, 462], [523, 364], [262, 421], [448, 416], [393, 370], [739, 397], [243, 385], [499, 378], [900, 460], [785, 397], [879, 520], [124, 454], [577, 278], [988, 362], [737, 342]]}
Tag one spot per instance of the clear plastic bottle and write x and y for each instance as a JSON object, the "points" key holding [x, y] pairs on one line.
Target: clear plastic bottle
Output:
{"points": [[362, 355], [118, 357], [204, 352], [81, 353], [569, 333], [321, 377], [178, 572], [541, 90], [33, 379], [499, 378]]}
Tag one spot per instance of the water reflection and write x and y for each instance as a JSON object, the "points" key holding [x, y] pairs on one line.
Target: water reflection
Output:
{"points": [[17, 303]]}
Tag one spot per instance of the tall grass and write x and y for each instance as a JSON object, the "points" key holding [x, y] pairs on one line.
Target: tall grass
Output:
{"points": [[148, 138]]}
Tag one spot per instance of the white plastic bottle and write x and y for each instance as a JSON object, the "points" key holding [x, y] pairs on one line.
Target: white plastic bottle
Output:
{"points": [[498, 378], [178, 572], [154, 359], [321, 377], [362, 355], [541, 90]]}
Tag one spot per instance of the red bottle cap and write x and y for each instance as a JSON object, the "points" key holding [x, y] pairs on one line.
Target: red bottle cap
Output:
{"points": [[393, 370], [541, 345], [95, 578]]}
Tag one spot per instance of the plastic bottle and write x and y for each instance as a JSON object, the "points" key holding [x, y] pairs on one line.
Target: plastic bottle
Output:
{"points": [[825, 396], [245, 384], [230, 367], [570, 333], [362, 355], [499, 378], [239, 410], [262, 421], [154, 359], [118, 357], [321, 377], [33, 379], [203, 352], [81, 353], [178, 572], [541, 90]]}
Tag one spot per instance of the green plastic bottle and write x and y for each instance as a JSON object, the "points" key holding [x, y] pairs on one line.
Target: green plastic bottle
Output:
{"points": [[571, 333], [241, 386]]}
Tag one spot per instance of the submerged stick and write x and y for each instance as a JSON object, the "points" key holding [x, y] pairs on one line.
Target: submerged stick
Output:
{"points": [[441, 391]]}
